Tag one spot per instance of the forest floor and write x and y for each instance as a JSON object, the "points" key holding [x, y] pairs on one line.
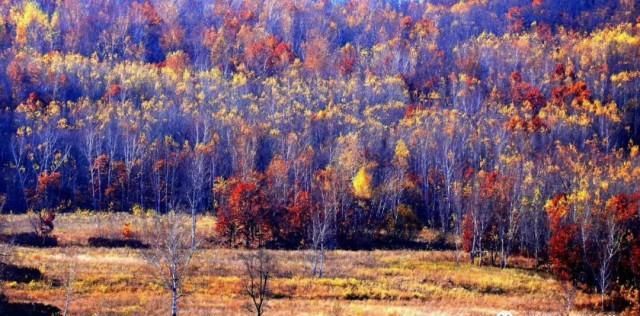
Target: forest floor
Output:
{"points": [[118, 281]]}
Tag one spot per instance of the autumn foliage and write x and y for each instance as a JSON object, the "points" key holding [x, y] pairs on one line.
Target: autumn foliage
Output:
{"points": [[508, 127]]}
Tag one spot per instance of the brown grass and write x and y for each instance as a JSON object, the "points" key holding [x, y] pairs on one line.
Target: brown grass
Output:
{"points": [[118, 281]]}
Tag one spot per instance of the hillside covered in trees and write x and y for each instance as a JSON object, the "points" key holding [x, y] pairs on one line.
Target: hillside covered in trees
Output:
{"points": [[511, 125]]}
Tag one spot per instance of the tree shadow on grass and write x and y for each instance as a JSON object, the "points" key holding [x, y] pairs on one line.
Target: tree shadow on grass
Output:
{"points": [[116, 243], [11, 272], [26, 309], [30, 239]]}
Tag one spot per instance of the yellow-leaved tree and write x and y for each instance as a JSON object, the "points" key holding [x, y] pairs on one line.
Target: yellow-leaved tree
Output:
{"points": [[401, 154], [362, 184]]}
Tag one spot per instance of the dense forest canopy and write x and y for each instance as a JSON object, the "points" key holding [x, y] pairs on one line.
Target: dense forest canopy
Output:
{"points": [[511, 124]]}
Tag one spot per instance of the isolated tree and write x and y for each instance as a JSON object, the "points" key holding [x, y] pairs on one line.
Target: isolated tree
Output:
{"points": [[70, 274], [42, 222], [259, 269], [170, 254]]}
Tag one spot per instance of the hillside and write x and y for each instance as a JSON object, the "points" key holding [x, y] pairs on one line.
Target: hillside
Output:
{"points": [[507, 130]]}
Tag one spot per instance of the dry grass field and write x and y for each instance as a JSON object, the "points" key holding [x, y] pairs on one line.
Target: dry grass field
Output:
{"points": [[118, 281]]}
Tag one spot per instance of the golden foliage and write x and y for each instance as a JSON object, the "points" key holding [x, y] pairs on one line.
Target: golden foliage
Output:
{"points": [[362, 186]]}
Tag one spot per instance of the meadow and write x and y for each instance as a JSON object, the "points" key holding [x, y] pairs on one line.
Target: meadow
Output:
{"points": [[118, 281]]}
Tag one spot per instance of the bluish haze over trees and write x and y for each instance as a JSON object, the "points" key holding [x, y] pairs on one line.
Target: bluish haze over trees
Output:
{"points": [[509, 124]]}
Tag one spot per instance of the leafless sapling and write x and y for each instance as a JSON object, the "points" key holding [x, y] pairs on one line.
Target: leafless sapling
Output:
{"points": [[259, 269], [170, 254]]}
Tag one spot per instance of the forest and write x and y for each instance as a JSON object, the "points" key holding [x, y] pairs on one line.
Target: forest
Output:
{"points": [[510, 129]]}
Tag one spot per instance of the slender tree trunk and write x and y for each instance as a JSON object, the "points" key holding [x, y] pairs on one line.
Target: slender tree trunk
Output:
{"points": [[321, 270], [503, 254], [193, 228], [174, 302]]}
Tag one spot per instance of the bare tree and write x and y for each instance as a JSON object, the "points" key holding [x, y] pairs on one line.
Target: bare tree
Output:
{"points": [[69, 278], [197, 173], [320, 230], [610, 246], [170, 254], [323, 218], [259, 269], [569, 296]]}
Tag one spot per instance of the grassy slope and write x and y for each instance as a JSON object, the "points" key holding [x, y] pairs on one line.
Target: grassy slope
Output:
{"points": [[356, 282]]}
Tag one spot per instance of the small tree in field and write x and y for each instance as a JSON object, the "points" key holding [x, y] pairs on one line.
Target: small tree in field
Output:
{"points": [[170, 254], [259, 269], [71, 267], [42, 222]]}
